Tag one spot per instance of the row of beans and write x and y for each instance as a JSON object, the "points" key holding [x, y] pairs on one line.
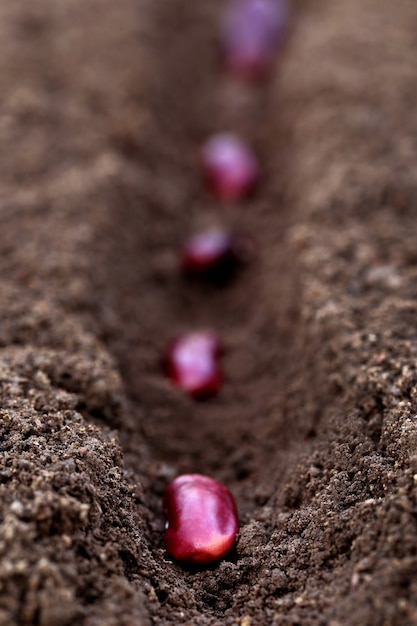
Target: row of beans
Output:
{"points": [[202, 519]]}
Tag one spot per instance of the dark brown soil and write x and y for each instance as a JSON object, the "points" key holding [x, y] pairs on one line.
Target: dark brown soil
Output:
{"points": [[104, 106]]}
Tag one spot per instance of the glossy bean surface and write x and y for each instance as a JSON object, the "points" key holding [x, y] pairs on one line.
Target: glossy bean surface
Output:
{"points": [[192, 363], [230, 168], [250, 34], [202, 519], [213, 254]]}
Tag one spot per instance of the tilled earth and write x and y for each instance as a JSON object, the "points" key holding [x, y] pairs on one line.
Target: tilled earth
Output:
{"points": [[104, 106]]}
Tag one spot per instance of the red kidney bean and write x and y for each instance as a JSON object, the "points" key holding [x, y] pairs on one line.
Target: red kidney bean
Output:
{"points": [[192, 363], [202, 519], [250, 33], [229, 167], [214, 254]]}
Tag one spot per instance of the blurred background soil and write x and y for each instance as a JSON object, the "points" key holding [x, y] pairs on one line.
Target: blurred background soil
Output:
{"points": [[104, 107]]}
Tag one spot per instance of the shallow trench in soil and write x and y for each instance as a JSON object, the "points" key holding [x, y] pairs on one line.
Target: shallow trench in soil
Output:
{"points": [[235, 435], [265, 421], [249, 436]]}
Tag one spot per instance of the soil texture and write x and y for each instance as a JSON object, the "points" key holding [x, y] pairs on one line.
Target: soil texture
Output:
{"points": [[104, 108]]}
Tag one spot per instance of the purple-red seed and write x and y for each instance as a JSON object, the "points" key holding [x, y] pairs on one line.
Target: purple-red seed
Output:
{"points": [[213, 253], [250, 33], [202, 519], [192, 363], [230, 168]]}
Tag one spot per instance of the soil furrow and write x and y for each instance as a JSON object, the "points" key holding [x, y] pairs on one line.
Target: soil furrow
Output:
{"points": [[105, 107], [233, 435]]}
